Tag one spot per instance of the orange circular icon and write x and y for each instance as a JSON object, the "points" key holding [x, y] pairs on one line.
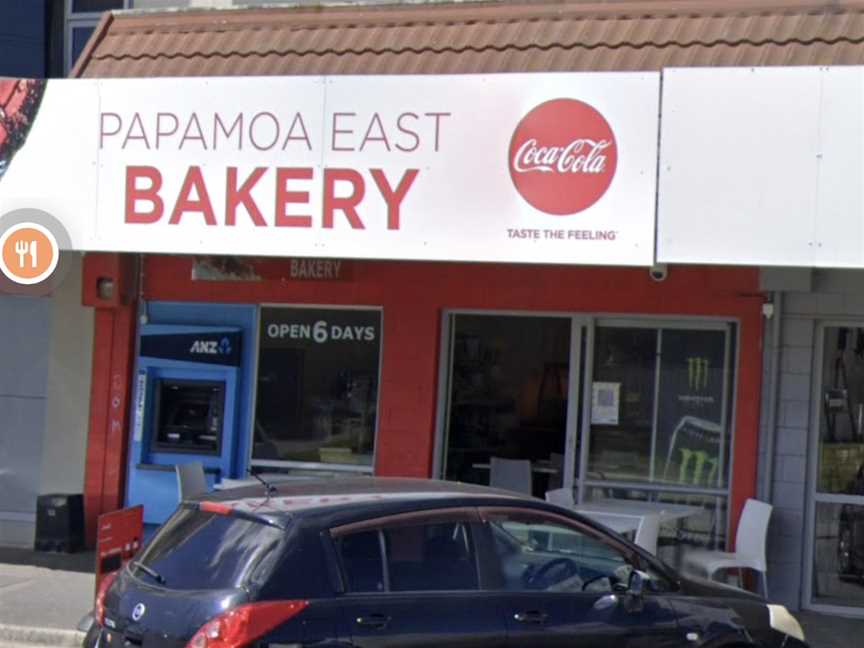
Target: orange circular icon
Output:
{"points": [[28, 253]]}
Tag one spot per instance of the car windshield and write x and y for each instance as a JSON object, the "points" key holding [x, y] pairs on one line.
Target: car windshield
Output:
{"points": [[198, 550]]}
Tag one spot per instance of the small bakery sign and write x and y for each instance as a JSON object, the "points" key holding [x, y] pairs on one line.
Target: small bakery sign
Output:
{"points": [[540, 168]]}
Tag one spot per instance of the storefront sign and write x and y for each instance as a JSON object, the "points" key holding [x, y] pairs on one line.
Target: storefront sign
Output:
{"points": [[762, 166], [317, 269], [222, 348], [539, 168], [299, 327], [119, 535]]}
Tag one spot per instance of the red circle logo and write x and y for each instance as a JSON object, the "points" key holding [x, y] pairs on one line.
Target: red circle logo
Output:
{"points": [[563, 156]]}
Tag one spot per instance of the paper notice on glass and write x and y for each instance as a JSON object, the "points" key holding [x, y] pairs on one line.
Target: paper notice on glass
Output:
{"points": [[605, 402]]}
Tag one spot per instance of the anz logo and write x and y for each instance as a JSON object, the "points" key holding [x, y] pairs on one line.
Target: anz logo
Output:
{"points": [[211, 347]]}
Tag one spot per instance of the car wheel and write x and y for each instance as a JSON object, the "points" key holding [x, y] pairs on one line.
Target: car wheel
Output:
{"points": [[91, 639]]}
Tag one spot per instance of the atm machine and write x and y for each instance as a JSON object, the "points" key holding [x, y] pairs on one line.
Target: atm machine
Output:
{"points": [[186, 397]]}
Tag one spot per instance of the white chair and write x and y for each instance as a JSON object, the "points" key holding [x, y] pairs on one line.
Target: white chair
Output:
{"points": [[191, 480], [556, 479], [648, 532], [563, 497], [227, 483], [510, 474], [749, 546]]}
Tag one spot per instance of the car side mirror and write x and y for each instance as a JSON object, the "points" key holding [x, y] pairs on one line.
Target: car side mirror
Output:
{"points": [[634, 599], [636, 586]]}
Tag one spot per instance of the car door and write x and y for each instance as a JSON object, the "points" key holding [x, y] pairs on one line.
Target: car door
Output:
{"points": [[564, 583], [412, 581]]}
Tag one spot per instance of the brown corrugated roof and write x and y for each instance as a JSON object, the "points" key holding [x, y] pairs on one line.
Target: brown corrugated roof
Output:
{"points": [[477, 37]]}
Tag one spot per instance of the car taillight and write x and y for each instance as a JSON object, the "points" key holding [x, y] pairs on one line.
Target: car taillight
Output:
{"points": [[215, 507], [104, 584], [245, 624]]}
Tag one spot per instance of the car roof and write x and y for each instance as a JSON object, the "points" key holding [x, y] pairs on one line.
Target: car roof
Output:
{"points": [[341, 499]]}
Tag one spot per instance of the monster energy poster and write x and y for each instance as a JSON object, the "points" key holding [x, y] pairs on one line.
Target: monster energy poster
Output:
{"points": [[690, 435]]}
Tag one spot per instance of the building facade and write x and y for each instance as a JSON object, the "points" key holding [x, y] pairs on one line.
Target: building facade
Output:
{"points": [[46, 340], [707, 379]]}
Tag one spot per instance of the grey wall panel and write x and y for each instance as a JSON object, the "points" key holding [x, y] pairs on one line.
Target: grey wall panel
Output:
{"points": [[25, 325], [22, 422], [786, 533], [68, 403]]}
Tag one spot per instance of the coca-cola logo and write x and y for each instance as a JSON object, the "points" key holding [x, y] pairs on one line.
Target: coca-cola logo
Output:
{"points": [[563, 156]]}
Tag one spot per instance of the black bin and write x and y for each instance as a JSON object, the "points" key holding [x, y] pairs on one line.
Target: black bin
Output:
{"points": [[59, 523]]}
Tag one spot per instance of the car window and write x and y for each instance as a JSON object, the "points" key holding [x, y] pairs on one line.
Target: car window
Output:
{"points": [[197, 550], [361, 560], [540, 553], [435, 556], [430, 557]]}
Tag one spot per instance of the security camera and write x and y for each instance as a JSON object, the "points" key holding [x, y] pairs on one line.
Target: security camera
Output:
{"points": [[658, 272]]}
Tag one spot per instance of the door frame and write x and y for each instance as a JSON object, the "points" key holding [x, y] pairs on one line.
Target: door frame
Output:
{"points": [[812, 497]]}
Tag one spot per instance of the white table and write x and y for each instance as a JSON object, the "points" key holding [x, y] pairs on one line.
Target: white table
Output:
{"points": [[544, 470], [637, 508], [622, 523]]}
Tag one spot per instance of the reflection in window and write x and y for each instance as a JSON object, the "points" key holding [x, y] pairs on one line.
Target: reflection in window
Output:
{"points": [[196, 550], [838, 565], [667, 417], [838, 549], [419, 557], [841, 424], [362, 564], [430, 557], [317, 392], [625, 366], [508, 395], [539, 554]]}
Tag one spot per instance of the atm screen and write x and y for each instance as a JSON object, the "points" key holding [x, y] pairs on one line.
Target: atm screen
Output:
{"points": [[188, 416]]}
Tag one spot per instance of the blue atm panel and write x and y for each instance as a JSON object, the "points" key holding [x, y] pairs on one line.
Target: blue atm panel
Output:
{"points": [[187, 394]]}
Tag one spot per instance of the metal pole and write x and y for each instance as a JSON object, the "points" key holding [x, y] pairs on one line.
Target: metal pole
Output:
{"points": [[773, 396]]}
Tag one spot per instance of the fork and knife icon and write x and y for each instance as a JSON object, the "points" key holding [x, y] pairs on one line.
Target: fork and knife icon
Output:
{"points": [[23, 249]]}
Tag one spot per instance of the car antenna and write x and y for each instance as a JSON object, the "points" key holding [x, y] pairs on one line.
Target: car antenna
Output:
{"points": [[269, 489]]}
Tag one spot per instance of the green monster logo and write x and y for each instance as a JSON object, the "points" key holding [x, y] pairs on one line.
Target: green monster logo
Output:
{"points": [[697, 374]]}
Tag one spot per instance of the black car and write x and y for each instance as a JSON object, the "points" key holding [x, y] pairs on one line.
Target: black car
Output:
{"points": [[375, 563]]}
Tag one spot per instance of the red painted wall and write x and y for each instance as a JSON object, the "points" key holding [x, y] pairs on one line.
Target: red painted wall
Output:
{"points": [[107, 439], [414, 295]]}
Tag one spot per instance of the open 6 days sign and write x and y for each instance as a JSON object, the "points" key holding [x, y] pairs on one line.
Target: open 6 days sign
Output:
{"points": [[545, 168]]}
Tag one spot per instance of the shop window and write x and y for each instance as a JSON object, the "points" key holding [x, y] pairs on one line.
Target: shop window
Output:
{"points": [[508, 395], [188, 415], [661, 406], [82, 16], [837, 536], [317, 390]]}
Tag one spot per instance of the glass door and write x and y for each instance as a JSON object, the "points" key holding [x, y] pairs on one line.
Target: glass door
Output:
{"points": [[836, 529], [659, 426]]}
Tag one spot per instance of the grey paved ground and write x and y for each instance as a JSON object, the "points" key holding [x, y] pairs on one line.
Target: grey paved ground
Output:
{"points": [[823, 631], [40, 597]]}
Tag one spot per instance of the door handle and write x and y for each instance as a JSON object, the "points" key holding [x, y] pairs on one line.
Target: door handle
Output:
{"points": [[606, 602], [532, 617], [377, 621]]}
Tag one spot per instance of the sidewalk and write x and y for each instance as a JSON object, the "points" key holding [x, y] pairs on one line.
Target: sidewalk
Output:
{"points": [[41, 606]]}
